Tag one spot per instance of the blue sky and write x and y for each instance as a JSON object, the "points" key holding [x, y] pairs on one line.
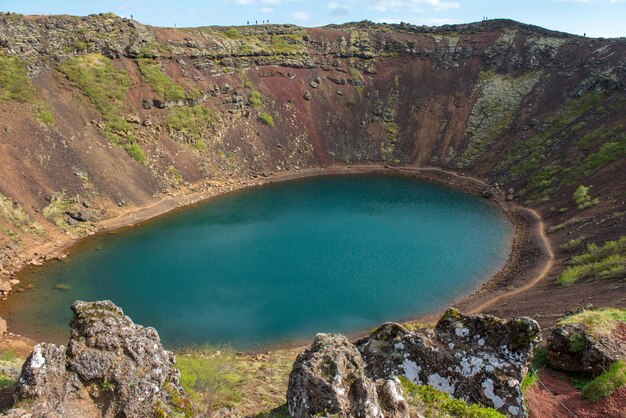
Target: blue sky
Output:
{"points": [[594, 17]]}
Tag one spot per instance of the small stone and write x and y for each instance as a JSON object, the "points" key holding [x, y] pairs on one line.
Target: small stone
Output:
{"points": [[307, 96]]}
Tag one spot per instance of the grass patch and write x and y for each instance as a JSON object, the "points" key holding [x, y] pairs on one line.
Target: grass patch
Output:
{"points": [[266, 118], [596, 322], [355, 74], [607, 261], [136, 152], [163, 86], [256, 100], [437, 403], [540, 187], [571, 244], [190, 122], [212, 373], [14, 81], [231, 33], [216, 377], [15, 85], [607, 383], [107, 89], [538, 362]]}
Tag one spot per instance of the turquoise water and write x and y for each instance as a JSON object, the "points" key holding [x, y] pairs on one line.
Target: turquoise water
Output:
{"points": [[279, 262]]}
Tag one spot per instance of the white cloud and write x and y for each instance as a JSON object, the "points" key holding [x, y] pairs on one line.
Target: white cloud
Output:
{"points": [[267, 10], [338, 9], [415, 6], [300, 15]]}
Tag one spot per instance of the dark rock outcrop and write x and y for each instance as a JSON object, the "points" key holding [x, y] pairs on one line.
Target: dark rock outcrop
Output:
{"points": [[572, 348], [477, 358], [111, 367], [329, 378]]}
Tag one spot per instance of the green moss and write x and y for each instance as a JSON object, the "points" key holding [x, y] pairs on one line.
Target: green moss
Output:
{"points": [[190, 122], [528, 155], [163, 86], [607, 383], [491, 116], [576, 343], [266, 118], [437, 403]]}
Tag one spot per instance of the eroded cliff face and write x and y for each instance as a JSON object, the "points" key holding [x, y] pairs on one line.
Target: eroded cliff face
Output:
{"points": [[102, 114]]}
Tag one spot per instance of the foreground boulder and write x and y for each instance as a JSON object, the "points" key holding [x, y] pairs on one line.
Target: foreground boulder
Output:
{"points": [[329, 378], [111, 367], [477, 358], [588, 342]]}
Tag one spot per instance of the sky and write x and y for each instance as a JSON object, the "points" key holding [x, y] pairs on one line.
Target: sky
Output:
{"points": [[596, 18]]}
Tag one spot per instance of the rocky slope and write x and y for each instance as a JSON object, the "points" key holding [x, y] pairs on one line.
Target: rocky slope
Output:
{"points": [[103, 115]]}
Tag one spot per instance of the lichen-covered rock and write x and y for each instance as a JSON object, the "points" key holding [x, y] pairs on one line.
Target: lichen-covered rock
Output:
{"points": [[572, 348], [477, 358], [111, 367], [329, 378]]}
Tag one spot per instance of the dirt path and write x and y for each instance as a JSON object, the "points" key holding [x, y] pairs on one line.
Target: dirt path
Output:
{"points": [[547, 247]]}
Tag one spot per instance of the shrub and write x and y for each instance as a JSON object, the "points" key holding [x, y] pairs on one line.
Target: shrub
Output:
{"points": [[604, 385], [582, 199], [256, 100], [267, 119], [599, 262]]}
